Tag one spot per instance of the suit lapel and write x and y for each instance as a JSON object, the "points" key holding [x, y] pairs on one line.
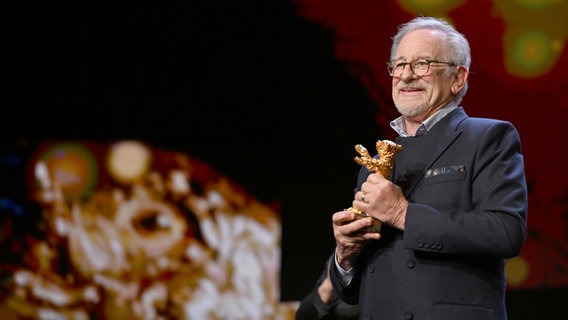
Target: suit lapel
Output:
{"points": [[437, 140]]}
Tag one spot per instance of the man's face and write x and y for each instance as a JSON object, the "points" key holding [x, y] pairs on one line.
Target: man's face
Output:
{"points": [[420, 97]]}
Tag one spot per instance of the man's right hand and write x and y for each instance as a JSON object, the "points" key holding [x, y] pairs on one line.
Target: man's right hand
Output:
{"points": [[351, 236]]}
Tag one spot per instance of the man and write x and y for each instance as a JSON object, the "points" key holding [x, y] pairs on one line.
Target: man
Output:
{"points": [[457, 204]]}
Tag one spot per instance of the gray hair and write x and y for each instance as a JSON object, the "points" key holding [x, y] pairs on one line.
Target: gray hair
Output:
{"points": [[458, 46]]}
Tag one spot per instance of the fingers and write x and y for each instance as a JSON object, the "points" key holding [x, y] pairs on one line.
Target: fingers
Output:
{"points": [[360, 202], [374, 178], [342, 217], [371, 236], [345, 224], [369, 187], [351, 236], [361, 196], [374, 181]]}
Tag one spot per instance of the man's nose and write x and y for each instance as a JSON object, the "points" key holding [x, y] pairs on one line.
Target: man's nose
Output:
{"points": [[407, 73]]}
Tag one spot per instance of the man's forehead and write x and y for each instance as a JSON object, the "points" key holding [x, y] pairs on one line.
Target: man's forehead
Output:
{"points": [[422, 43]]}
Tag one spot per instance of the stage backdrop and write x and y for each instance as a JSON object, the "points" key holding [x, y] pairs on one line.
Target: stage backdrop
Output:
{"points": [[518, 74], [124, 229]]}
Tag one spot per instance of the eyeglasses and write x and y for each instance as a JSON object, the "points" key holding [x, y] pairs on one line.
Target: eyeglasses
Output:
{"points": [[419, 67]]}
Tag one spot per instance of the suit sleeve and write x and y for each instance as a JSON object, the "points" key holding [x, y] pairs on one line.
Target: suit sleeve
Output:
{"points": [[312, 307]]}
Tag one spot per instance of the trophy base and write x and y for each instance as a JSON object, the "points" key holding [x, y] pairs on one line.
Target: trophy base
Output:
{"points": [[374, 227]]}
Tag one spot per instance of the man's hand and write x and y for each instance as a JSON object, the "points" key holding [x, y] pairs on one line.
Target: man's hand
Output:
{"points": [[350, 237], [382, 200]]}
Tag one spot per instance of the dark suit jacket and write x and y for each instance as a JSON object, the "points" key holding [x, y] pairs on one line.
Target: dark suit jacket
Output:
{"points": [[467, 212]]}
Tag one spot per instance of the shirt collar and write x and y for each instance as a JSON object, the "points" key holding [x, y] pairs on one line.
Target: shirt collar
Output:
{"points": [[400, 128]]}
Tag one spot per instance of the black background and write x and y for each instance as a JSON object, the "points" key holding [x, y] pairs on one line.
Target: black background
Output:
{"points": [[326, 113], [202, 76], [245, 86]]}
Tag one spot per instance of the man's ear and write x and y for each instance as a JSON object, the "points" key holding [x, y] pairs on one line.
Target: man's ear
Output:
{"points": [[460, 79]]}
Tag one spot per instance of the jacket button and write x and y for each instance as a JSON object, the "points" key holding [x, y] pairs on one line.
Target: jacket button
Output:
{"points": [[410, 264], [439, 246], [408, 316], [371, 269], [420, 244]]}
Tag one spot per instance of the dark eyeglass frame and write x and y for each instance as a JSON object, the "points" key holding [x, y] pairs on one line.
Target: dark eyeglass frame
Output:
{"points": [[392, 65]]}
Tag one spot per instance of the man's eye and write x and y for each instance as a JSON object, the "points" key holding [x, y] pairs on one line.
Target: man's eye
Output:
{"points": [[421, 64], [400, 65]]}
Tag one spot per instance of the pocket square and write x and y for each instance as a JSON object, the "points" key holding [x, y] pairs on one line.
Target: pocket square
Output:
{"points": [[444, 170]]}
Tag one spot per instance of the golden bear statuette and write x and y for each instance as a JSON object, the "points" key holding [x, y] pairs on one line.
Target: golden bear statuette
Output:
{"points": [[383, 164]]}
